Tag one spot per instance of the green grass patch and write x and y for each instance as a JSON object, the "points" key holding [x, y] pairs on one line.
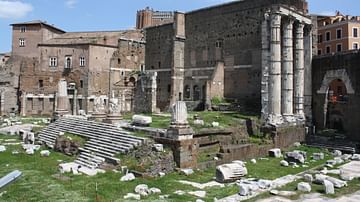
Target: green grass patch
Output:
{"points": [[76, 138]]}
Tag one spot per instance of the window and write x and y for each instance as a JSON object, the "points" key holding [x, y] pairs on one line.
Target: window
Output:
{"points": [[22, 29], [328, 36], [22, 42], [169, 88], [338, 48], [320, 38], [67, 61], [82, 61], [355, 46], [319, 52], [53, 62], [81, 84], [41, 83], [218, 44], [328, 49], [355, 32], [339, 33]]}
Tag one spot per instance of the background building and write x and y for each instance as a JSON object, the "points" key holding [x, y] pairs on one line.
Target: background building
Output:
{"points": [[148, 18], [338, 33]]}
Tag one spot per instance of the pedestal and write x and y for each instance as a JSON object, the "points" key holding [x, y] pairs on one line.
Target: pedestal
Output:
{"points": [[99, 117], [113, 118]]}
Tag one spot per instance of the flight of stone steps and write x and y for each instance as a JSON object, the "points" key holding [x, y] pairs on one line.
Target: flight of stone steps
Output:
{"points": [[104, 140]]}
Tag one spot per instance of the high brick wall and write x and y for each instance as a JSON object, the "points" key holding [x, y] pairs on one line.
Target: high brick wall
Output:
{"points": [[230, 33]]}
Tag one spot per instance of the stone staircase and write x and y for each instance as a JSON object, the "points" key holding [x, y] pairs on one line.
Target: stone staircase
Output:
{"points": [[104, 140]]}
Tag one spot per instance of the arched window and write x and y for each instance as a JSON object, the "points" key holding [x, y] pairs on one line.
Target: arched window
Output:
{"points": [[187, 93], [67, 62], [196, 96]]}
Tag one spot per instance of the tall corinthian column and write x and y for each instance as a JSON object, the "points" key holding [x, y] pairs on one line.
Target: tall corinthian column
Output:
{"points": [[275, 70], [299, 70], [287, 71]]}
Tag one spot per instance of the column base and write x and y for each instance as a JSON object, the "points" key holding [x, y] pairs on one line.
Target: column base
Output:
{"points": [[98, 117], [180, 133], [290, 118], [113, 118], [274, 120]]}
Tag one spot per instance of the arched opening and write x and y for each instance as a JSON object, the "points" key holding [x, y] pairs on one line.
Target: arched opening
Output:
{"points": [[196, 91], [187, 92], [132, 81], [336, 100]]}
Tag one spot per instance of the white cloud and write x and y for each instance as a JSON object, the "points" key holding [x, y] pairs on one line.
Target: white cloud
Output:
{"points": [[70, 3], [14, 9]]}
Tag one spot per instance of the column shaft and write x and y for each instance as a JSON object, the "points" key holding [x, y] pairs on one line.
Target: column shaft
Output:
{"points": [[275, 66], [287, 68], [299, 69]]}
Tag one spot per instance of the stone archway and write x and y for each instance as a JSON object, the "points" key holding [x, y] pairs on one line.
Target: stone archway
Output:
{"points": [[335, 105], [332, 75]]}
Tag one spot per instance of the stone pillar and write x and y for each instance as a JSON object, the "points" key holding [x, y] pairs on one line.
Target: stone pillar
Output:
{"points": [[308, 50], [23, 104], [179, 126], [287, 72], [299, 70], [275, 117], [114, 115], [265, 55], [62, 98]]}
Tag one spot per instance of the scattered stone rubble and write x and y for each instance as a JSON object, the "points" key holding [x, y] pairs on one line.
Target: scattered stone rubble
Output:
{"points": [[275, 153], [141, 120]]}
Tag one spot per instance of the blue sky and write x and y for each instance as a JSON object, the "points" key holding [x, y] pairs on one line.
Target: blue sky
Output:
{"points": [[93, 15]]}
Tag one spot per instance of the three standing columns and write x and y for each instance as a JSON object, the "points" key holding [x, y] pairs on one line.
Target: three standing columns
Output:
{"points": [[286, 72]]}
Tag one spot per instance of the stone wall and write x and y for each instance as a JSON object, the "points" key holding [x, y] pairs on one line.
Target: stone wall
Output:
{"points": [[228, 33], [145, 94], [345, 68]]}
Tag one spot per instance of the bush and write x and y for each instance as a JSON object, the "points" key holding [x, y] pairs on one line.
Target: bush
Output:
{"points": [[217, 100]]}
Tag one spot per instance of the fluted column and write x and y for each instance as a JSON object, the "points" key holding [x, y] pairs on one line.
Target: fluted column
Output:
{"points": [[299, 70], [287, 72], [275, 69], [265, 55]]}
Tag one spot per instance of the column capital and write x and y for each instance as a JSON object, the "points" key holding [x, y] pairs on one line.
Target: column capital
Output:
{"points": [[299, 27], [288, 21], [275, 19]]}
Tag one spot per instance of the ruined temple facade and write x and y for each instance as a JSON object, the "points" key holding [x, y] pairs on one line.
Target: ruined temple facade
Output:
{"points": [[256, 52]]}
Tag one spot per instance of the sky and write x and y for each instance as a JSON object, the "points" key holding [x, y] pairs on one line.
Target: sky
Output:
{"points": [[96, 15]]}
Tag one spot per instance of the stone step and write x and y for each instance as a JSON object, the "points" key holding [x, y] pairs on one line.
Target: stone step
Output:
{"points": [[90, 160], [115, 143], [85, 163], [101, 149], [107, 148], [101, 134], [94, 123], [113, 130], [100, 154], [97, 158]]}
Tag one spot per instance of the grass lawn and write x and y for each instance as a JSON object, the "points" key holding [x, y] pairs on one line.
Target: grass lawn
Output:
{"points": [[41, 180]]}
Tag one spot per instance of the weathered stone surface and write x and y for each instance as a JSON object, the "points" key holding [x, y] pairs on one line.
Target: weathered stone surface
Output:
{"points": [[355, 157], [127, 177], [141, 120], [132, 196], [155, 190], [264, 184], [318, 156], [142, 189], [296, 156], [304, 187], [68, 167], [230, 172], [337, 153], [215, 124], [159, 147], [329, 187], [2, 148], [282, 193], [45, 153], [253, 161], [179, 192], [284, 163], [308, 178], [187, 171], [201, 194], [179, 115], [199, 122], [320, 178], [275, 153], [337, 183]]}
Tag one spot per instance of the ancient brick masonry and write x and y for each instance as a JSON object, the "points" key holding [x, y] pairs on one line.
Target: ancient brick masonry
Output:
{"points": [[264, 64]]}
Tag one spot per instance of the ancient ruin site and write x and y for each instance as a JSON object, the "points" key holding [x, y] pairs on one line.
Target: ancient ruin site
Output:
{"points": [[247, 100]]}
